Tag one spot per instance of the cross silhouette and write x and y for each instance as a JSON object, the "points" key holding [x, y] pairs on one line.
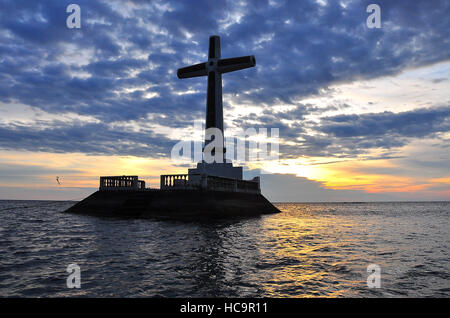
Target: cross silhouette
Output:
{"points": [[214, 68]]}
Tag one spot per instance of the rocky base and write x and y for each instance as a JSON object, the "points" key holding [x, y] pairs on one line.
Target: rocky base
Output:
{"points": [[173, 203]]}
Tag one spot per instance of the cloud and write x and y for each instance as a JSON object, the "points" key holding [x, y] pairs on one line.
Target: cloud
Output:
{"points": [[416, 123], [438, 80], [12, 174], [121, 66], [351, 135], [92, 138], [299, 189], [14, 170]]}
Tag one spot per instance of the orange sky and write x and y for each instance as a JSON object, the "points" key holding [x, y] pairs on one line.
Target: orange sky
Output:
{"points": [[418, 170]]}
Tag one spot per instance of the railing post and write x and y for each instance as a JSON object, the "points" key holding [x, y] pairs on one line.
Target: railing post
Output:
{"points": [[161, 182]]}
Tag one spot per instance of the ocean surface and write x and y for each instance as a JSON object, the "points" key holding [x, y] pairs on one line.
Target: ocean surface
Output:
{"points": [[309, 250]]}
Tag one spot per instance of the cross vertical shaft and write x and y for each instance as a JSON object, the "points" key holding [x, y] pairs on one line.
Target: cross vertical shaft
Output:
{"points": [[214, 103], [214, 69]]}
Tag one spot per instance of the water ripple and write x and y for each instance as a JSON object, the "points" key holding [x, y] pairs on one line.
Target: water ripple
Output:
{"points": [[308, 250]]}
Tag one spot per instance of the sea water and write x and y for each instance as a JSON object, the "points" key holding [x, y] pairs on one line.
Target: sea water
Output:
{"points": [[308, 250]]}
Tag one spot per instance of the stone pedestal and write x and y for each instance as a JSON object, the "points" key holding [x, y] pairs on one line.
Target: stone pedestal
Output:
{"points": [[225, 170]]}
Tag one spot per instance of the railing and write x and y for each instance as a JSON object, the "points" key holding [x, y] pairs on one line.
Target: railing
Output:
{"points": [[121, 183], [207, 182], [172, 180]]}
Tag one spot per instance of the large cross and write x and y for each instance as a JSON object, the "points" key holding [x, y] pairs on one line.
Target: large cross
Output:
{"points": [[214, 69]]}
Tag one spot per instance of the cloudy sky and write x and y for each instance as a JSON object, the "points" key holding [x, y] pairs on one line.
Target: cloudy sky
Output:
{"points": [[364, 114]]}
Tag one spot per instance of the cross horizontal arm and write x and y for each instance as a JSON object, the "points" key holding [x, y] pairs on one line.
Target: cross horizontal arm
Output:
{"points": [[235, 63], [192, 71]]}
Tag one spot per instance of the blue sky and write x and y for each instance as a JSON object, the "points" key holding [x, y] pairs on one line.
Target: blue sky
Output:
{"points": [[357, 107]]}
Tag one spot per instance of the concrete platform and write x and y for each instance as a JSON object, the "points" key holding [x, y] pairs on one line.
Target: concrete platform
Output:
{"points": [[173, 204]]}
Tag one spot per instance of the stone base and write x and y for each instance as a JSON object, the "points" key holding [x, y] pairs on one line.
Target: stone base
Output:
{"points": [[173, 204], [225, 170]]}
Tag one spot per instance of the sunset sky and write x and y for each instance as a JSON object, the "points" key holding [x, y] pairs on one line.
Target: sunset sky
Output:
{"points": [[364, 114]]}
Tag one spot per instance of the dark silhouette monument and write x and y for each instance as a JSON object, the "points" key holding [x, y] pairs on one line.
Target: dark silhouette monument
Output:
{"points": [[214, 68], [212, 189]]}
